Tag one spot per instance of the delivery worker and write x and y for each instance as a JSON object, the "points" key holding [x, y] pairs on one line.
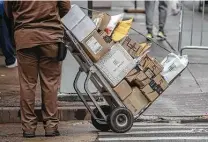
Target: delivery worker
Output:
{"points": [[38, 33], [6, 39], [149, 10]]}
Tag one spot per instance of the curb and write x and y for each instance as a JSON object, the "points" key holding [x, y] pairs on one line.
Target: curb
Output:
{"points": [[12, 114]]}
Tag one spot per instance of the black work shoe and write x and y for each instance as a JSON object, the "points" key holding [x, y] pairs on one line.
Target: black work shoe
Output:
{"points": [[52, 133], [28, 134]]}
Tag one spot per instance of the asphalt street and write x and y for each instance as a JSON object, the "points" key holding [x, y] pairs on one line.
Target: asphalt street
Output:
{"points": [[159, 132]]}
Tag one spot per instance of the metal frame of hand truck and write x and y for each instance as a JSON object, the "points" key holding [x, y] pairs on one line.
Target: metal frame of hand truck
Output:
{"points": [[96, 77]]}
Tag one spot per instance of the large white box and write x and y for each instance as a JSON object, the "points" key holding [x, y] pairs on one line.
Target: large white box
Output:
{"points": [[78, 23], [116, 64]]}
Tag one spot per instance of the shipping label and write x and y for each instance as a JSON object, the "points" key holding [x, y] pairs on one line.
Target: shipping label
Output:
{"points": [[94, 45]]}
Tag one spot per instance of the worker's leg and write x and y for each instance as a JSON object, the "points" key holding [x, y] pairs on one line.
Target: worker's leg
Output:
{"points": [[28, 76], [163, 5], [149, 10], [50, 72]]}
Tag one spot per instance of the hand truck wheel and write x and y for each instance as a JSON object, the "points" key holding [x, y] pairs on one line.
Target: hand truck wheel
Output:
{"points": [[98, 124], [121, 120]]}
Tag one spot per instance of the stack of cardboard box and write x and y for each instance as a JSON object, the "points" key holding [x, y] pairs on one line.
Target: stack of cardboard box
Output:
{"points": [[142, 85], [136, 85]]}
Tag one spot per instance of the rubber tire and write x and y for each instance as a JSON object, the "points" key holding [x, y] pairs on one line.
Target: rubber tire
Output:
{"points": [[112, 120], [102, 127]]}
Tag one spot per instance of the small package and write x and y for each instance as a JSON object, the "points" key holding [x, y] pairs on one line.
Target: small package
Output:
{"points": [[123, 90], [153, 68], [116, 64], [141, 80], [159, 80], [150, 93], [113, 23], [102, 20], [133, 74], [122, 30], [145, 61], [173, 65], [134, 48], [136, 101], [78, 23], [95, 46]]}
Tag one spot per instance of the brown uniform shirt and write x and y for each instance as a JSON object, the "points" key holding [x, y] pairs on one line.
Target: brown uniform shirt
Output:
{"points": [[36, 22]]}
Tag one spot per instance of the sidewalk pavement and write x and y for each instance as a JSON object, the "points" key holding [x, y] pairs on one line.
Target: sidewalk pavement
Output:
{"points": [[187, 96], [73, 131]]}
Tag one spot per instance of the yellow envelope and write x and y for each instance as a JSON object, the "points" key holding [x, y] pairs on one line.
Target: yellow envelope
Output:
{"points": [[122, 30]]}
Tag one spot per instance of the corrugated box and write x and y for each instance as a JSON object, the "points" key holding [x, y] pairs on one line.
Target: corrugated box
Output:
{"points": [[149, 93], [123, 90], [78, 23], [131, 46], [134, 48], [107, 38], [159, 80], [116, 64], [105, 20], [141, 80], [95, 46], [133, 74], [73, 17], [154, 66], [149, 73], [145, 61], [159, 84], [136, 101]]}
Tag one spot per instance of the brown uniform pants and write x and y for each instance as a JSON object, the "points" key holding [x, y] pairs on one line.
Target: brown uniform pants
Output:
{"points": [[34, 62]]}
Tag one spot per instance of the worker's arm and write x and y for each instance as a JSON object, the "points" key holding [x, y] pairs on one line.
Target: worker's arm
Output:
{"points": [[64, 7], [8, 9]]}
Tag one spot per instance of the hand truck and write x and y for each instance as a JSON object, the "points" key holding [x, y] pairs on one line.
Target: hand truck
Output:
{"points": [[113, 116]]}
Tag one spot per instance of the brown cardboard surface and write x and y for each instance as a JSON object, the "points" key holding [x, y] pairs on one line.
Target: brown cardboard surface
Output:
{"points": [[145, 61], [123, 89], [152, 96], [141, 80], [154, 66], [132, 75], [106, 38], [95, 46], [159, 80], [149, 93], [105, 20], [136, 101], [131, 46], [149, 73]]}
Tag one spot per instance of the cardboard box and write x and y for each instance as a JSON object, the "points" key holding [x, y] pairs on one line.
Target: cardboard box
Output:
{"points": [[133, 74], [105, 20], [149, 93], [159, 84], [145, 61], [141, 80], [78, 23], [107, 38], [116, 64], [136, 101], [150, 66], [123, 90], [132, 47], [95, 46], [159, 80], [73, 17], [149, 73]]}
